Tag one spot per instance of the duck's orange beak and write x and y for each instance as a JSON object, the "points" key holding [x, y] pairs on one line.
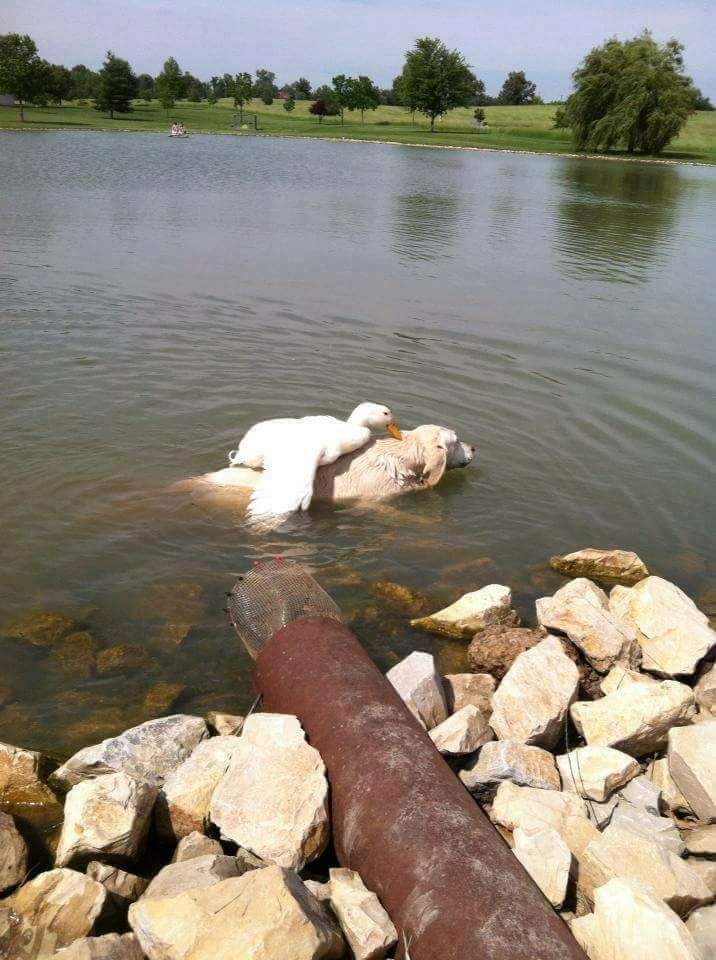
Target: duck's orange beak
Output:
{"points": [[392, 429]]}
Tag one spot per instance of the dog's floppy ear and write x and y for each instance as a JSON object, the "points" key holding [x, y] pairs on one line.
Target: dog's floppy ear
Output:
{"points": [[425, 461], [434, 463]]}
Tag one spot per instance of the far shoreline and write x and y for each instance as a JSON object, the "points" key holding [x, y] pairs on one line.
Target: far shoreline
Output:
{"points": [[371, 140]]}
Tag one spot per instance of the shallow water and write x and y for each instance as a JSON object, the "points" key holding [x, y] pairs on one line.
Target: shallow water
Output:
{"points": [[157, 297]]}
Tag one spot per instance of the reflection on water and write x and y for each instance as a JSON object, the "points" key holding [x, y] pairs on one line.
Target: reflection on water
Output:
{"points": [[615, 220], [158, 301]]}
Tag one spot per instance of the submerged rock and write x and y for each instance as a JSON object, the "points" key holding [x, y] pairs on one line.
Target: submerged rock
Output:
{"points": [[19, 769], [264, 914], [463, 732], [606, 566], [513, 761], [225, 724], [546, 857], [13, 854], [112, 946], [635, 718], [673, 634], [365, 924], [161, 697], [472, 612], [531, 703], [183, 801], [418, 684], [397, 595], [596, 772], [57, 907], [692, 764], [43, 629], [628, 922], [461, 689], [75, 654], [105, 817], [581, 611], [495, 649], [123, 657], [148, 752], [273, 798]]}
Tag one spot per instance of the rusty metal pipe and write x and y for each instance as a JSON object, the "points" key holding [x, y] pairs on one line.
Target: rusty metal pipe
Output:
{"points": [[401, 818]]}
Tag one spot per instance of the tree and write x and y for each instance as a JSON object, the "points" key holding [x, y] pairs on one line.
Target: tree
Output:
{"points": [[342, 87], [229, 86], [479, 115], [363, 95], [481, 96], [630, 94], [145, 87], [169, 85], [218, 87], [265, 84], [435, 79], [701, 101], [59, 83], [243, 89], [85, 83], [22, 72], [289, 105], [301, 89], [117, 86], [325, 107], [195, 90], [518, 90]]}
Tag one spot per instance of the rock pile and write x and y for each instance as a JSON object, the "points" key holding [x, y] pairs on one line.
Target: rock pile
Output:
{"points": [[606, 790]]}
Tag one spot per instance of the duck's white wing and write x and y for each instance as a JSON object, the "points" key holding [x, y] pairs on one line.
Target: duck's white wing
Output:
{"points": [[287, 482]]}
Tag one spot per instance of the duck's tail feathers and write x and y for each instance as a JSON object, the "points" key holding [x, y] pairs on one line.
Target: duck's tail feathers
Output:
{"points": [[287, 482]]}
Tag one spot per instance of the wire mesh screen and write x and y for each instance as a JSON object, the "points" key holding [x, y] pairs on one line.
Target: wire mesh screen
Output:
{"points": [[272, 595]]}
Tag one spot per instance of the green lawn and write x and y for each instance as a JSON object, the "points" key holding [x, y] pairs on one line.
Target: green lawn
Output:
{"points": [[510, 128]]}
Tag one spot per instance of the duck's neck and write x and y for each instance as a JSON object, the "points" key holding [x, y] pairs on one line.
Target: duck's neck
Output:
{"points": [[357, 418]]}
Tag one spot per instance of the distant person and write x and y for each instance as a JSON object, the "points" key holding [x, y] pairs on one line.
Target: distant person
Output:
{"points": [[175, 130]]}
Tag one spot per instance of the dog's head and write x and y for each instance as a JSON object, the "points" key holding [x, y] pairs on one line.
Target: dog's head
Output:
{"points": [[424, 454]]}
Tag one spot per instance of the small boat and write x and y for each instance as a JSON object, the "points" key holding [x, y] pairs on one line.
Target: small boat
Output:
{"points": [[178, 136]]}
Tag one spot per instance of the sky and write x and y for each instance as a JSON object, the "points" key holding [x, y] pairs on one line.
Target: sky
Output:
{"points": [[546, 38]]}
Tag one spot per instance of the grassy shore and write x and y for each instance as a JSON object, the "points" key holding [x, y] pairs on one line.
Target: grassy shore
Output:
{"points": [[510, 128]]}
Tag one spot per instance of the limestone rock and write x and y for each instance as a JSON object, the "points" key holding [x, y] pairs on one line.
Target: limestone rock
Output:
{"points": [[596, 772], [13, 854], [472, 612], [692, 764], [620, 676], [194, 874], [642, 792], [513, 761], [601, 813], [496, 648], [112, 946], [122, 887], [462, 689], [531, 702], [147, 752], [365, 924], [183, 801], [417, 682], [706, 869], [660, 829], [629, 922], [705, 689], [673, 634], [19, 768], [531, 808], [195, 845], [701, 842], [106, 817], [59, 906], [546, 857], [273, 799], [702, 927], [225, 724], [622, 853], [463, 732], [263, 915], [635, 718], [671, 798], [581, 611], [606, 566]]}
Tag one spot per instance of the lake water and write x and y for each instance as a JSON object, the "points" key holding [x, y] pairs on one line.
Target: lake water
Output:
{"points": [[159, 296]]}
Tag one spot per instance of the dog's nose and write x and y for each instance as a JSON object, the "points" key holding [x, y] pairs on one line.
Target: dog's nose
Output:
{"points": [[473, 449]]}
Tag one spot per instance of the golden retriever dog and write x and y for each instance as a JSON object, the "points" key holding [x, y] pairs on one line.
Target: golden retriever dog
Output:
{"points": [[385, 467]]}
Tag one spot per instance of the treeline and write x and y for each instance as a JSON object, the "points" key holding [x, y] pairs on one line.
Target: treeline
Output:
{"points": [[631, 94]]}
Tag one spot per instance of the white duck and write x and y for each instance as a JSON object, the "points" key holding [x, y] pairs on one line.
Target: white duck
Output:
{"points": [[291, 450]]}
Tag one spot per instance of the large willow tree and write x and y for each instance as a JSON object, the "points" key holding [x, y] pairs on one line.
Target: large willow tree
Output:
{"points": [[629, 95]]}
